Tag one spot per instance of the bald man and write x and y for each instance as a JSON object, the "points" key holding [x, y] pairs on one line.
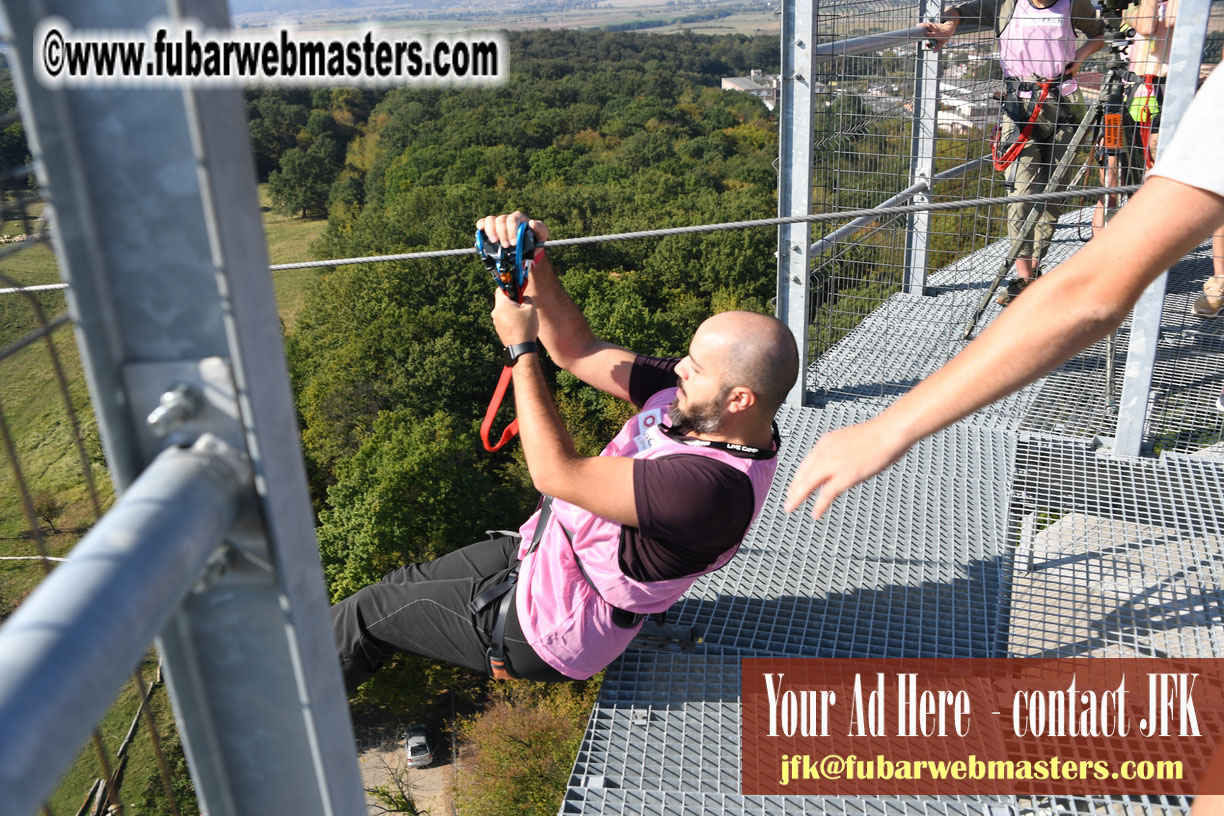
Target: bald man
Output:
{"points": [[617, 536]]}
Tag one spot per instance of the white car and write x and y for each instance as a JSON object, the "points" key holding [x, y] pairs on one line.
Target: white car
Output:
{"points": [[417, 750]]}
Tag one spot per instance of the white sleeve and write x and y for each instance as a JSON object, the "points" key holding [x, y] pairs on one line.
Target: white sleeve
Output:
{"points": [[1195, 156]]}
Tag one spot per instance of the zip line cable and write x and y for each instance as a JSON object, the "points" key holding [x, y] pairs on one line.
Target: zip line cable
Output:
{"points": [[730, 225], [900, 209]]}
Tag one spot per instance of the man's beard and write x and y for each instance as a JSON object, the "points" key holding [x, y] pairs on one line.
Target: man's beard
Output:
{"points": [[704, 418]]}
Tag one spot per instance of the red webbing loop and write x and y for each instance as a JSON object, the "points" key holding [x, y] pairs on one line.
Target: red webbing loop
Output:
{"points": [[499, 393], [503, 381]]}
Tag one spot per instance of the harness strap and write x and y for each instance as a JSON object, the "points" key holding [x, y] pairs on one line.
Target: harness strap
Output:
{"points": [[538, 535], [499, 666], [510, 272], [493, 593], [1001, 163]]}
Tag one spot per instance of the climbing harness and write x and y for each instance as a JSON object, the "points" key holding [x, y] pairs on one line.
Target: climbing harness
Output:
{"points": [[510, 269], [499, 666], [1014, 108], [656, 634]]}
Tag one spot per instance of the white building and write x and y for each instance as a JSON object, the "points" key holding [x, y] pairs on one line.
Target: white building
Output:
{"points": [[756, 83]]}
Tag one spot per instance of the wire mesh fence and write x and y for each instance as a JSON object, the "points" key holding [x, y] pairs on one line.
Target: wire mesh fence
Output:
{"points": [[864, 153]]}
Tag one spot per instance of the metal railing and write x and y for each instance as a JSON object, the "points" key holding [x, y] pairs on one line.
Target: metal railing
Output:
{"points": [[72, 644]]}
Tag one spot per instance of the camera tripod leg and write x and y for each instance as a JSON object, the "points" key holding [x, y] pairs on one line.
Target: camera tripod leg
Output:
{"points": [[1025, 232]]}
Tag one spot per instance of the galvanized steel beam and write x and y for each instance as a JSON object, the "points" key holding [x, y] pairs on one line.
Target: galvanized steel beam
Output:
{"points": [[922, 157], [70, 646], [795, 133], [1186, 53]]}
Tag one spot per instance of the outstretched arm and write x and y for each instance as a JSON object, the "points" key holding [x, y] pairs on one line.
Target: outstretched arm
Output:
{"points": [[600, 484], [563, 330], [1059, 315]]}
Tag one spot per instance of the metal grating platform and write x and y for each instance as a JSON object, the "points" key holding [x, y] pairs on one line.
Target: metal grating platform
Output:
{"points": [[1189, 365], [922, 332], [1116, 558], [652, 705], [907, 565], [1013, 533], [658, 803], [1189, 373]]}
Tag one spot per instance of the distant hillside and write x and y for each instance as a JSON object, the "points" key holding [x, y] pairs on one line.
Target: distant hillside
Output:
{"points": [[287, 6]]}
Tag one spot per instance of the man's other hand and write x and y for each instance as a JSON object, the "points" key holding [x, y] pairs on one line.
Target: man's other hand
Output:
{"points": [[939, 33], [514, 322]]}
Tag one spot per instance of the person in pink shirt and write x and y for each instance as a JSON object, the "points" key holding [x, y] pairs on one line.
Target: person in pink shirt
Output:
{"points": [[619, 536], [1040, 54]]}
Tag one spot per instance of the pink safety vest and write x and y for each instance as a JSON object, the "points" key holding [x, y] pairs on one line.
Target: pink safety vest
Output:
{"points": [[1038, 43], [564, 619]]}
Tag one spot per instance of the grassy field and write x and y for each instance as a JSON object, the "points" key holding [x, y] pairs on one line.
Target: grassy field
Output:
{"points": [[141, 775], [503, 17], [289, 240], [33, 410]]}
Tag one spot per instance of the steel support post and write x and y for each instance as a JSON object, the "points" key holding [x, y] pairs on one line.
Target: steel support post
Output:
{"points": [[795, 135], [1186, 53], [157, 229], [922, 152]]}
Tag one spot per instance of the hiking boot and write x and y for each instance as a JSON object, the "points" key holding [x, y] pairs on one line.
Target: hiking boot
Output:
{"points": [[1212, 299], [1013, 291]]}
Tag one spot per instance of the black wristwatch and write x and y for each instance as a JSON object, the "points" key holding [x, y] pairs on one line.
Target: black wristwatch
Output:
{"points": [[512, 353]]}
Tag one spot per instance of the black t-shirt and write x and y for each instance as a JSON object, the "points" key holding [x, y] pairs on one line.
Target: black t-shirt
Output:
{"points": [[691, 508]]}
